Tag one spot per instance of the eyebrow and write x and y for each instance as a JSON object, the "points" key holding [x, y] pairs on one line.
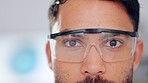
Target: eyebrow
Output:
{"points": [[92, 31], [105, 36], [65, 30], [79, 35]]}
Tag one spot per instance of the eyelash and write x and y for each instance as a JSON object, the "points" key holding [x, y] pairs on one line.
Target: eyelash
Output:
{"points": [[79, 43], [68, 40], [119, 41]]}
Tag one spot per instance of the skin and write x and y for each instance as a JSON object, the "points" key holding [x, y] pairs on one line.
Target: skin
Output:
{"points": [[77, 14]]}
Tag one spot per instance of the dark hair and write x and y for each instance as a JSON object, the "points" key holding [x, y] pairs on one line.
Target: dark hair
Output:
{"points": [[132, 7]]}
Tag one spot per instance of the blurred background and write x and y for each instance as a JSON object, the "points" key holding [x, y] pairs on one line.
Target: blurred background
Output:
{"points": [[23, 36]]}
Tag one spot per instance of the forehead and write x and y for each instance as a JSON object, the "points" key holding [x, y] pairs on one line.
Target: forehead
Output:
{"points": [[80, 14]]}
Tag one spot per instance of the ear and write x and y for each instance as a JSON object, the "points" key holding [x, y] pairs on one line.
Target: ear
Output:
{"points": [[48, 53], [138, 53]]}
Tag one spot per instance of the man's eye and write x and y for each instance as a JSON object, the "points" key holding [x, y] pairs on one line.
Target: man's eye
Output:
{"points": [[113, 43], [72, 43]]}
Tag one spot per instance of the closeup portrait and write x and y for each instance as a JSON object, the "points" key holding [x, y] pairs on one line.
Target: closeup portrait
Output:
{"points": [[94, 41], [73, 41]]}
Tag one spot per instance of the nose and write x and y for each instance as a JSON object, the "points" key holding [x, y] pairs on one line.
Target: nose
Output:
{"points": [[93, 64]]}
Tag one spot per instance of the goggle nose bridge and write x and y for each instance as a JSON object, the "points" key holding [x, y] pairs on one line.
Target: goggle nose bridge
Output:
{"points": [[88, 48]]}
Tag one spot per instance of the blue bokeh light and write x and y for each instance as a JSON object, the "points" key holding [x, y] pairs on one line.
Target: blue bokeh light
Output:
{"points": [[23, 61]]}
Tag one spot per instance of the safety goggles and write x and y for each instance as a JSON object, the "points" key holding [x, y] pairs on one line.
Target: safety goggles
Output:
{"points": [[111, 45]]}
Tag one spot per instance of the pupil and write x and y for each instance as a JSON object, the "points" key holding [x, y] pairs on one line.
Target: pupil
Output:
{"points": [[72, 42], [113, 43]]}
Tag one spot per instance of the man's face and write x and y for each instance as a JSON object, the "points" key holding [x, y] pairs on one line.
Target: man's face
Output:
{"points": [[78, 14]]}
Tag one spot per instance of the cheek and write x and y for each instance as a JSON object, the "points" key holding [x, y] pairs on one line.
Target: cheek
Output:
{"points": [[120, 70], [66, 72], [70, 72]]}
